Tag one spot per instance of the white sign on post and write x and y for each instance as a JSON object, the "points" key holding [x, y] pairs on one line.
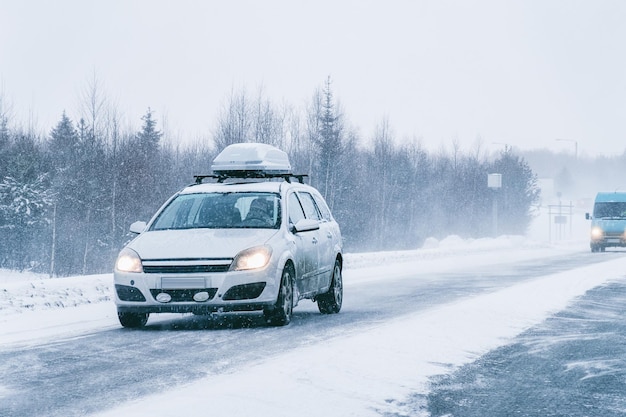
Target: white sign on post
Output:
{"points": [[494, 180]]}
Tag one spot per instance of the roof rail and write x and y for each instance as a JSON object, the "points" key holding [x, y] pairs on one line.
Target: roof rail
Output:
{"points": [[248, 175]]}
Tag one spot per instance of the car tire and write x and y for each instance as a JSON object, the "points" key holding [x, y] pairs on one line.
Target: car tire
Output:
{"points": [[133, 320], [330, 302], [280, 314]]}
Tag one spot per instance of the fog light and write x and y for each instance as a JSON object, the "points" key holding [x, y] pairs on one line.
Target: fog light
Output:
{"points": [[201, 296], [163, 297]]}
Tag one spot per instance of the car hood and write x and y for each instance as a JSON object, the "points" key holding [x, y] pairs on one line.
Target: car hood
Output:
{"points": [[198, 243]]}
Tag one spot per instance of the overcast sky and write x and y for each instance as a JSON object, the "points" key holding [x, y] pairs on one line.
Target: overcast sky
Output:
{"points": [[524, 73]]}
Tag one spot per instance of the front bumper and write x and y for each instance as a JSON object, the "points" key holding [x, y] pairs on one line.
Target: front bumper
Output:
{"points": [[608, 240], [196, 293]]}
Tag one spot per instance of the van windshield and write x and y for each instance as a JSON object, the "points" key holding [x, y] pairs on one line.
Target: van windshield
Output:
{"points": [[613, 210], [220, 211]]}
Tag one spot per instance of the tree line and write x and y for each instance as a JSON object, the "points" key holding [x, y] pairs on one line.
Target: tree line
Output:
{"points": [[68, 197]]}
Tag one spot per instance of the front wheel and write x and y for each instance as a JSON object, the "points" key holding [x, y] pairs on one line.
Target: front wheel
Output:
{"points": [[330, 302], [133, 320], [280, 314]]}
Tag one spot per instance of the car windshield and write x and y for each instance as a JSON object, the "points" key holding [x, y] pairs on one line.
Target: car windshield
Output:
{"points": [[220, 211], [612, 209]]}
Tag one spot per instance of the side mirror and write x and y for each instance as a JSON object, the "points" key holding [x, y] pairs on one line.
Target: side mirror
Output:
{"points": [[138, 227], [306, 225], [587, 216]]}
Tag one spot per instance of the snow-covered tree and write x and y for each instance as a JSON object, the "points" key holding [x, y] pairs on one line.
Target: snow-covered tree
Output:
{"points": [[24, 210], [326, 131]]}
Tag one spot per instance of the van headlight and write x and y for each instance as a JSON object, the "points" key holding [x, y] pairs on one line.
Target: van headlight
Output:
{"points": [[596, 233], [128, 261], [252, 258]]}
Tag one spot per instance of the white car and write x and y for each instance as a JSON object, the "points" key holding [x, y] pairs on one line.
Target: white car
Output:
{"points": [[255, 239]]}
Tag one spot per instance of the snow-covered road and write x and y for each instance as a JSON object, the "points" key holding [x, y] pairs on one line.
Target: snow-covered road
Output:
{"points": [[407, 317]]}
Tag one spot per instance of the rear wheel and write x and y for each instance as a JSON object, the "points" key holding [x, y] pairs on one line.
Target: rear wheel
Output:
{"points": [[133, 320], [280, 314], [330, 302]]}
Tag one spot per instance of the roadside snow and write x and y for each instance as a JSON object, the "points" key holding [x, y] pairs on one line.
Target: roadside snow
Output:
{"points": [[21, 293]]}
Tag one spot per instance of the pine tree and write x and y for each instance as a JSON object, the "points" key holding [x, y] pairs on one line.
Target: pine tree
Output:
{"points": [[139, 173], [63, 144], [148, 138], [69, 202], [328, 141]]}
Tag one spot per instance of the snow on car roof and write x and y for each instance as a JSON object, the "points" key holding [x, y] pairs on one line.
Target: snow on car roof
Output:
{"points": [[262, 186]]}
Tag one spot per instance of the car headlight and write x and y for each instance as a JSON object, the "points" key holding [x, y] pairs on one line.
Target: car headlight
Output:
{"points": [[252, 258], [597, 233], [128, 261]]}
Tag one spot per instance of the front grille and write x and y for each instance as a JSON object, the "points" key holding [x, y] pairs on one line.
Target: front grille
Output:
{"points": [[183, 269], [184, 295]]}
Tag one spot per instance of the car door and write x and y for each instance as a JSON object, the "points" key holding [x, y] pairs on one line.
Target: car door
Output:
{"points": [[305, 253], [320, 240], [329, 234]]}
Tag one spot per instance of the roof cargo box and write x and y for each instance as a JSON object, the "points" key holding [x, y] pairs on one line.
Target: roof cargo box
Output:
{"points": [[259, 158]]}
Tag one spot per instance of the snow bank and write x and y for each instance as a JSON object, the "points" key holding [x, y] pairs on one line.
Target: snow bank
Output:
{"points": [[21, 293]]}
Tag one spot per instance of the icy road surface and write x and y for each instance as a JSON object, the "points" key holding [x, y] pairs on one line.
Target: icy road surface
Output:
{"points": [[573, 364], [409, 319]]}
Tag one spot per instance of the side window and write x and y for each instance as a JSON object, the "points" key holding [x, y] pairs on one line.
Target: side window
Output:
{"points": [[295, 209], [323, 207], [310, 209]]}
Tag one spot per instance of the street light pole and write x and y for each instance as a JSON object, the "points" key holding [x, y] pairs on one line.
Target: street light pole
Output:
{"points": [[575, 146]]}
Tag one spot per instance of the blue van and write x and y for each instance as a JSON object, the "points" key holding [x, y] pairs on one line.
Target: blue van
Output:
{"points": [[608, 222]]}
